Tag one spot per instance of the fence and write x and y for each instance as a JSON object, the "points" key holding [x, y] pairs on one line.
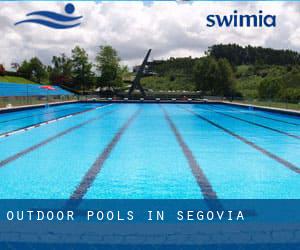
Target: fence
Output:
{"points": [[287, 104], [14, 94]]}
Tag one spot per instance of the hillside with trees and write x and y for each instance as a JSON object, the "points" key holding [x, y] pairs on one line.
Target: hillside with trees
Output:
{"points": [[228, 70], [232, 71], [238, 55], [281, 83]]}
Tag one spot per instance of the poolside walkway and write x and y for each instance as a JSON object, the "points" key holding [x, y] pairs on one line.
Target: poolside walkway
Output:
{"points": [[266, 108], [16, 108]]}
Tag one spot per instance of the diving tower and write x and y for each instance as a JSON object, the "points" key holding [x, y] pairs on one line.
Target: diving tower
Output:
{"points": [[136, 82]]}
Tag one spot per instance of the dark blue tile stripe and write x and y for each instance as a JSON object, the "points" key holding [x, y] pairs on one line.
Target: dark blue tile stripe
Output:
{"points": [[265, 117], [93, 171], [50, 139], [256, 124], [201, 179], [38, 114], [280, 160], [48, 121]]}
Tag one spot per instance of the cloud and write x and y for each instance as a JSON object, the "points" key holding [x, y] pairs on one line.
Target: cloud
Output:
{"points": [[169, 28]]}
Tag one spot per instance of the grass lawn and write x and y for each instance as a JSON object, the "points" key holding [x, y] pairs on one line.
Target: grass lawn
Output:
{"points": [[165, 83], [15, 79]]}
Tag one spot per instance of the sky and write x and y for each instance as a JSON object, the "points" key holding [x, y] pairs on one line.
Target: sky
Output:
{"points": [[171, 29]]}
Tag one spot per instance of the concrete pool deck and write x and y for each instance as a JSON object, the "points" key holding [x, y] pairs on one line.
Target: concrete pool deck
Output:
{"points": [[265, 108], [32, 106]]}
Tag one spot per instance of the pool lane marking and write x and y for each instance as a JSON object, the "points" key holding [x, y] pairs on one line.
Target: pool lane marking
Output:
{"points": [[201, 179], [280, 160], [50, 139], [256, 124], [38, 114], [6, 134], [27, 128], [266, 117], [94, 170], [273, 119]]}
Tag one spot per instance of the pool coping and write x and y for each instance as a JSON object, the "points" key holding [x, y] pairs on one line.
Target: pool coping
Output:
{"points": [[242, 105], [264, 108], [33, 106]]}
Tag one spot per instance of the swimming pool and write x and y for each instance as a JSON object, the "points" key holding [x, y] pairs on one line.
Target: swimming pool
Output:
{"points": [[173, 151]]}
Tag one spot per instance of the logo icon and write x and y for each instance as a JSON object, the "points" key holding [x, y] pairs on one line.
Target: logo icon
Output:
{"points": [[54, 20]]}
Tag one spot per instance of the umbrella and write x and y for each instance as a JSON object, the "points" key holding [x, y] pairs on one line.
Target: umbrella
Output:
{"points": [[47, 87]]}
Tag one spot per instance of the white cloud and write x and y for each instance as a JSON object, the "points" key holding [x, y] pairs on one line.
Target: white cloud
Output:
{"points": [[170, 29]]}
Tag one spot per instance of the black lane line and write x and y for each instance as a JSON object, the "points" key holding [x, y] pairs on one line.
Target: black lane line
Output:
{"points": [[38, 114], [256, 124], [50, 139], [266, 117], [201, 179], [273, 119], [94, 170], [280, 160], [38, 124]]}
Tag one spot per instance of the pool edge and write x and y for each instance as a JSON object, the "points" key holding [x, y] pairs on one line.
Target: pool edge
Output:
{"points": [[34, 106], [263, 108], [242, 105]]}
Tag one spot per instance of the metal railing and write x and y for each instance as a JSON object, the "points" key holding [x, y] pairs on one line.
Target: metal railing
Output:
{"points": [[274, 103], [15, 101]]}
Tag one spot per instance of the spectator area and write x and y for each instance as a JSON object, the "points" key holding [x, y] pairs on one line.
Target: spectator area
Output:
{"points": [[17, 89]]}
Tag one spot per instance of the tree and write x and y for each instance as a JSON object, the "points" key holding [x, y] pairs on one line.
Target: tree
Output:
{"points": [[205, 73], [38, 70], [214, 76], [290, 94], [2, 70], [61, 71], [107, 64], [224, 84], [238, 55], [81, 69], [33, 70], [25, 69], [270, 88]]}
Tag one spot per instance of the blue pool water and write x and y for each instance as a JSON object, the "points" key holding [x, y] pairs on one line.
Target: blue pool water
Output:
{"points": [[149, 151], [17, 120]]}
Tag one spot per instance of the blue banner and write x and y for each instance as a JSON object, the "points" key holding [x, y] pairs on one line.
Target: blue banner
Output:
{"points": [[251, 224]]}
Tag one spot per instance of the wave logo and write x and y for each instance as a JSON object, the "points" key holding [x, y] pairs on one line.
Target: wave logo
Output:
{"points": [[54, 20]]}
